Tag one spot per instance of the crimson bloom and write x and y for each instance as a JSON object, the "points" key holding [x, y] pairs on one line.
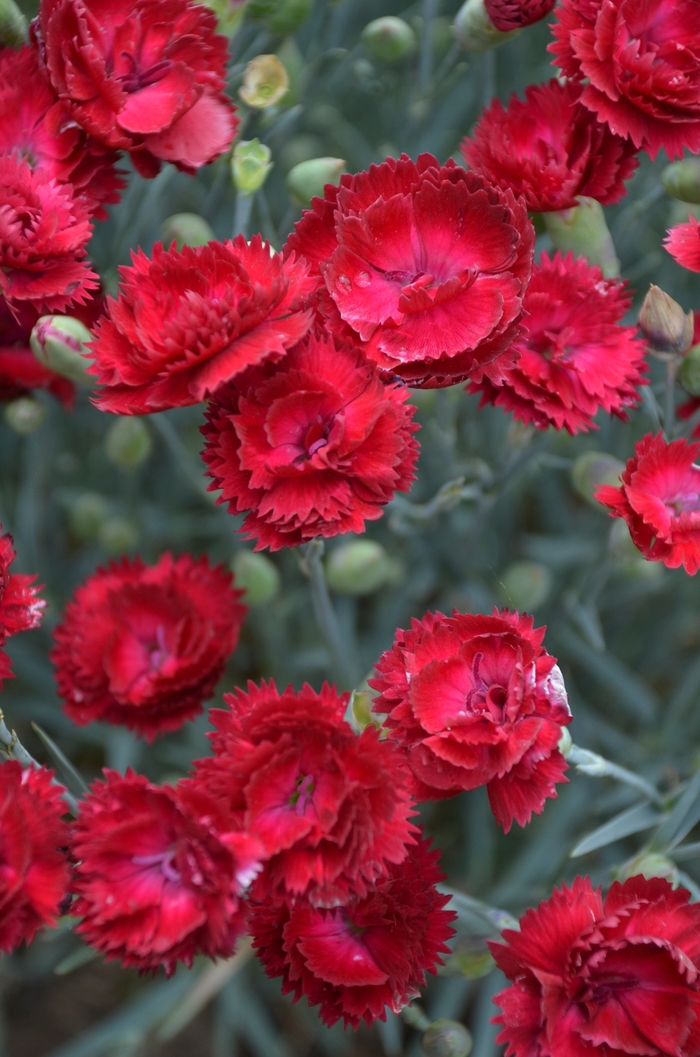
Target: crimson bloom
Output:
{"points": [[683, 243], [423, 265], [476, 700], [640, 63], [549, 149], [146, 645], [374, 951], [616, 976], [158, 878], [187, 321], [314, 446], [659, 498], [330, 808], [575, 357], [141, 75], [21, 608], [515, 14], [34, 871]]}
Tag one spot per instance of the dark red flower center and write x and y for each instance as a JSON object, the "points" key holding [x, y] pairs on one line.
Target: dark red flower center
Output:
{"points": [[303, 794], [137, 78], [484, 697]]}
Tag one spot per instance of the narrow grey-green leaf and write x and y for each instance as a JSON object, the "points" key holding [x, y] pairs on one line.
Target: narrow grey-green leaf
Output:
{"points": [[74, 781], [676, 820], [632, 820]]}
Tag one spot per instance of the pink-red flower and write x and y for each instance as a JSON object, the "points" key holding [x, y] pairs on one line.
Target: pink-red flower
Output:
{"points": [[187, 321], [21, 608], [34, 871], [158, 877], [146, 645], [423, 265], [476, 700], [683, 243], [616, 976], [659, 498], [575, 356], [313, 446], [44, 230], [330, 808], [356, 959], [640, 66], [549, 149], [36, 126], [141, 75], [514, 14]]}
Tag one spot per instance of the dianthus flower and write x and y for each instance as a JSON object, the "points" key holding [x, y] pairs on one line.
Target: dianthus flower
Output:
{"points": [[683, 243], [330, 808], [146, 645], [355, 959], [659, 498], [21, 608], [640, 65], [141, 75], [575, 357], [507, 15], [44, 230], [615, 976], [423, 265], [36, 126], [550, 149], [313, 446], [476, 700], [34, 870], [187, 321], [20, 371], [158, 878]]}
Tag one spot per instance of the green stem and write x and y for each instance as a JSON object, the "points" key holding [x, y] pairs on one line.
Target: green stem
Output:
{"points": [[241, 216], [670, 395], [325, 614], [429, 12], [596, 766]]}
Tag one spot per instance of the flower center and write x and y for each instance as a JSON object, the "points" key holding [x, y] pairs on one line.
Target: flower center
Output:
{"points": [[157, 651], [682, 503], [303, 792], [484, 697], [166, 861], [137, 79]]}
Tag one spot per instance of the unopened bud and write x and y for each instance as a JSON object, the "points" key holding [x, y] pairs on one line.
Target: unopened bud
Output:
{"points": [[118, 534], [630, 562], [13, 25], [59, 343], [565, 743], [662, 321], [593, 469], [308, 179], [361, 710], [24, 415], [186, 229], [280, 16], [250, 164], [526, 585], [470, 957], [682, 180], [650, 865], [360, 567], [389, 39], [474, 31], [128, 442], [689, 371], [446, 1038], [584, 230], [265, 82], [228, 12], [256, 575], [87, 514]]}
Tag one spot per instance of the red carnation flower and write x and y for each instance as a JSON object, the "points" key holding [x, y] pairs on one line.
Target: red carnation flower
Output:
{"points": [[314, 446], [683, 243], [158, 880], [146, 645], [575, 357], [659, 498], [39, 128], [515, 14], [141, 75], [550, 149], [640, 63], [615, 976], [354, 960], [187, 321], [21, 608], [34, 870], [330, 808], [476, 700], [424, 265], [44, 229]]}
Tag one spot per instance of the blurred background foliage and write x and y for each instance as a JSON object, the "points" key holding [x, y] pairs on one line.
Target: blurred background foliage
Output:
{"points": [[508, 528]]}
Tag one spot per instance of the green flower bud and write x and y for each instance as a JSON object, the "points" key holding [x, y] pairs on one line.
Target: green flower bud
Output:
{"points": [[59, 343], [228, 12], [280, 16], [187, 229], [24, 415], [265, 82], [682, 180], [526, 585], [87, 514], [650, 865], [360, 567], [630, 562], [118, 534], [474, 31], [361, 709], [564, 744], [250, 164], [469, 962], [446, 1038], [592, 469], [389, 39], [662, 321], [256, 575], [584, 230], [307, 179], [13, 25], [689, 371], [128, 442]]}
